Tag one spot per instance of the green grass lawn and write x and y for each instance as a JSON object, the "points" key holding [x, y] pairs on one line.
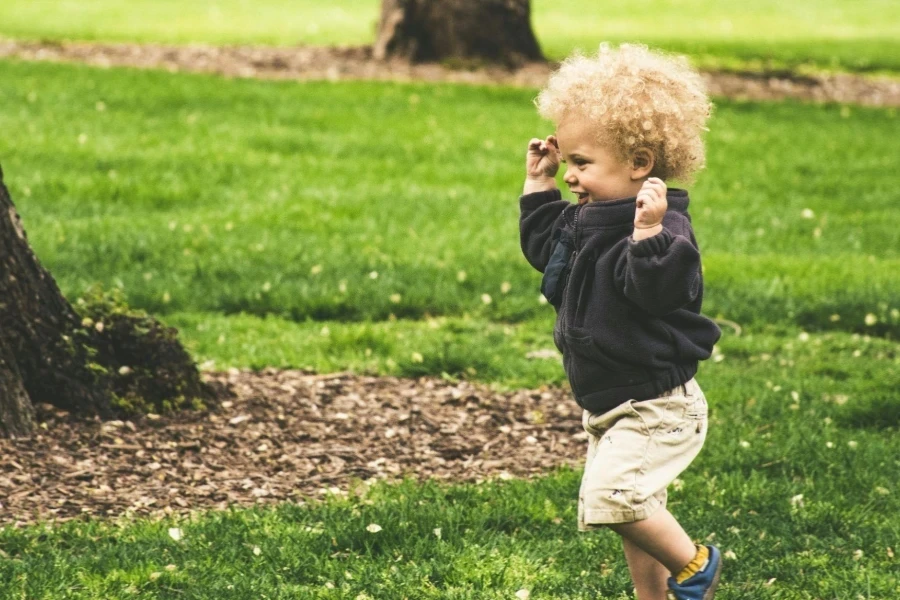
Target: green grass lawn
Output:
{"points": [[373, 226], [831, 34], [797, 483], [234, 207]]}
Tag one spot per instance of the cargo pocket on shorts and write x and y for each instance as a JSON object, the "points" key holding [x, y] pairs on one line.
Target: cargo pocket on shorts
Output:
{"points": [[696, 410]]}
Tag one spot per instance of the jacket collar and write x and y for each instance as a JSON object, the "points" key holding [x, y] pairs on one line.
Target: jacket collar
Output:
{"points": [[621, 212]]}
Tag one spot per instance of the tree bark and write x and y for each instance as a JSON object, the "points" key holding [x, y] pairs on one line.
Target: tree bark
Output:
{"points": [[51, 354], [457, 31], [16, 411]]}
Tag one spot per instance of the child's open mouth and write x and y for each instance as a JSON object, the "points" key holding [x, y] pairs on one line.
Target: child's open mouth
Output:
{"points": [[583, 197]]}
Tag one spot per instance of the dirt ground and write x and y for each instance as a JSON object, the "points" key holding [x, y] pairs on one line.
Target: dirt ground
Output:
{"points": [[285, 435], [342, 63]]}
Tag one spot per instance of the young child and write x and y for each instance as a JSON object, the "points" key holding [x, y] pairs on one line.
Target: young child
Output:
{"points": [[622, 268]]}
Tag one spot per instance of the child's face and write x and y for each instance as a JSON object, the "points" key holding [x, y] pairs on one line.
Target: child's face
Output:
{"points": [[594, 172]]}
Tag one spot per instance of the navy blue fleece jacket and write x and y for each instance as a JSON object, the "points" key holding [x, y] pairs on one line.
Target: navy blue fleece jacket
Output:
{"points": [[628, 313]]}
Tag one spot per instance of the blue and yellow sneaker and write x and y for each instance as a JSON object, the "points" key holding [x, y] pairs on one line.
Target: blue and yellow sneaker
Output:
{"points": [[699, 579]]}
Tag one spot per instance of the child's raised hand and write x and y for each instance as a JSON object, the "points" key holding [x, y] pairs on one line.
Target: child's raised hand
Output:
{"points": [[651, 204], [543, 158]]}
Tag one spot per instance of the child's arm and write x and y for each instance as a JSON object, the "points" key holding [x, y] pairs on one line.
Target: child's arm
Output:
{"points": [[660, 270], [541, 203]]}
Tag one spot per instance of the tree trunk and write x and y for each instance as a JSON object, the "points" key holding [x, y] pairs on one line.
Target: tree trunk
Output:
{"points": [[51, 354], [457, 31]]}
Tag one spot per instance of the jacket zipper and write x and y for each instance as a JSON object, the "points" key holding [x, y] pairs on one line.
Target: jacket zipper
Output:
{"points": [[575, 245]]}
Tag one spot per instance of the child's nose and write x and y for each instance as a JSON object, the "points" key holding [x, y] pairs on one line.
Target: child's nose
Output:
{"points": [[569, 177]]}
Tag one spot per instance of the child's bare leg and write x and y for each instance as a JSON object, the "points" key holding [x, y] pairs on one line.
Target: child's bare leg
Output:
{"points": [[649, 575], [661, 537]]}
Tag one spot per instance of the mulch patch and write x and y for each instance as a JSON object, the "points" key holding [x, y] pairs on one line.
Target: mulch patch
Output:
{"points": [[284, 435], [342, 63]]}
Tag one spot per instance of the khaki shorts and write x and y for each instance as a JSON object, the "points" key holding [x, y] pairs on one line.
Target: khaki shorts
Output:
{"points": [[635, 451]]}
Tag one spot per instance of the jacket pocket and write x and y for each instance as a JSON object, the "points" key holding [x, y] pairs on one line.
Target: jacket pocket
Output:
{"points": [[589, 368], [556, 274]]}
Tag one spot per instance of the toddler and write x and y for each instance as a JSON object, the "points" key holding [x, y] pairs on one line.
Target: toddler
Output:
{"points": [[622, 268]]}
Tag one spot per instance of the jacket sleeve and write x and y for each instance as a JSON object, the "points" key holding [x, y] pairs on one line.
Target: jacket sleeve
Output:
{"points": [[661, 273], [540, 214]]}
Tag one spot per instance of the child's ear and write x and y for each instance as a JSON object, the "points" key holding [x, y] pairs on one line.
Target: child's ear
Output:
{"points": [[642, 162]]}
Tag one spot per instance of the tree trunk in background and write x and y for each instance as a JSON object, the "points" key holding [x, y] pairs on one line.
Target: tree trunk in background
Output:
{"points": [[457, 31], [16, 411], [50, 354]]}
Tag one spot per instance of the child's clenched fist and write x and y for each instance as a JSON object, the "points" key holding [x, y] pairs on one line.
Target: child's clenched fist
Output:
{"points": [[543, 158], [650, 208]]}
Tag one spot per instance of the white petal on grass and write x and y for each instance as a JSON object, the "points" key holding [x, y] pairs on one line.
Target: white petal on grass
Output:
{"points": [[797, 500], [729, 555], [808, 213], [505, 287], [542, 299], [486, 298], [373, 275], [744, 444], [395, 298], [437, 532], [803, 337], [373, 528], [523, 594], [417, 357], [853, 444], [871, 319], [256, 550], [461, 276], [175, 533]]}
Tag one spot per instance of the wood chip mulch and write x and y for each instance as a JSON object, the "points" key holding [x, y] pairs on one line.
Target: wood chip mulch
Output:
{"points": [[284, 435], [342, 63]]}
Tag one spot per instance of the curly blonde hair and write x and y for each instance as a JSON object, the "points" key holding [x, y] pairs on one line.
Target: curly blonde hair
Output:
{"points": [[637, 98]]}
